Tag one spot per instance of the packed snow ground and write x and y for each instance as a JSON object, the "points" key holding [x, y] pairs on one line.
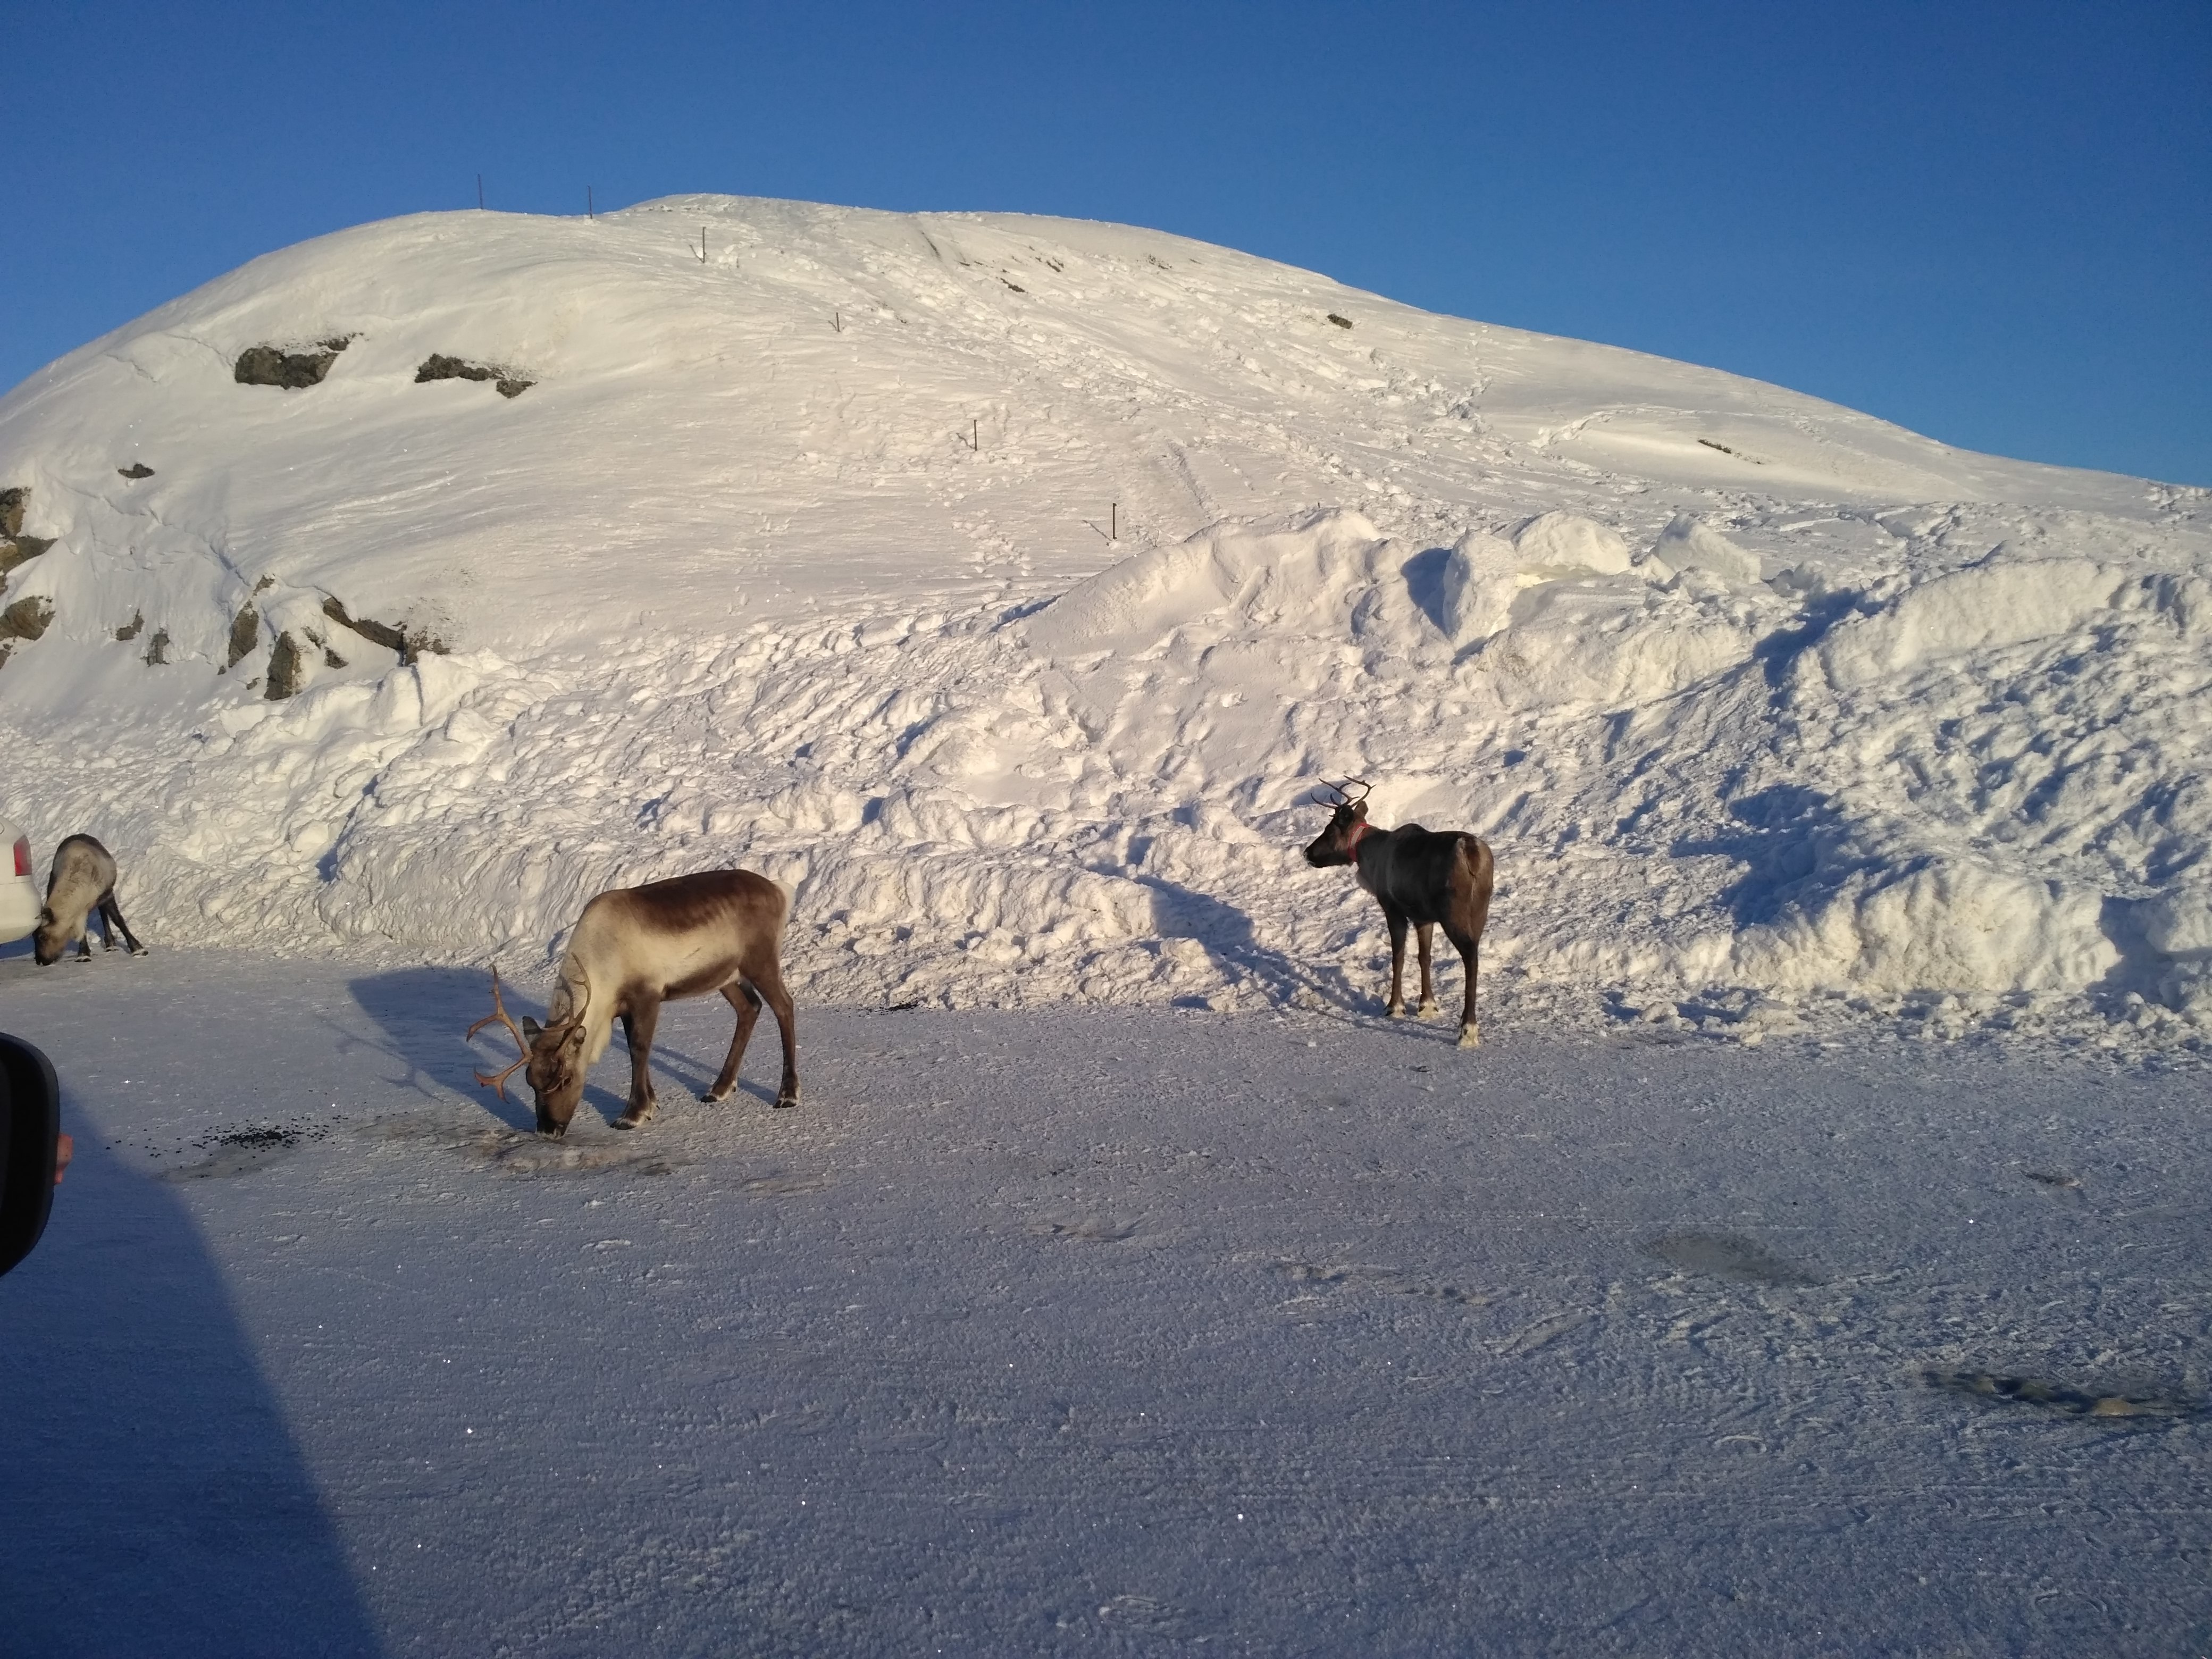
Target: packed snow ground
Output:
{"points": [[800, 551], [1113, 1331]]}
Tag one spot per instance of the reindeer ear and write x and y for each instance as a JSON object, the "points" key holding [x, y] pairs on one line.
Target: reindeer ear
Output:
{"points": [[531, 1028], [1359, 809]]}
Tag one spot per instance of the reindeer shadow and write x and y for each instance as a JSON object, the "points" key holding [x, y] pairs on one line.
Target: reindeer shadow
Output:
{"points": [[1794, 844], [1227, 934], [423, 1016]]}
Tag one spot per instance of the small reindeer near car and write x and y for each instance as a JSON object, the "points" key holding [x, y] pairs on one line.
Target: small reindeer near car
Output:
{"points": [[1425, 878], [82, 881], [632, 948]]}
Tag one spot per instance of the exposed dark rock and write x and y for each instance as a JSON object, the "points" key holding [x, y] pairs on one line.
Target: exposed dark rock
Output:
{"points": [[1341, 322], [19, 550], [27, 619], [332, 659], [264, 584], [368, 627], [15, 546], [409, 644], [439, 367], [135, 470], [286, 673], [245, 635], [295, 371], [129, 629], [157, 648]]}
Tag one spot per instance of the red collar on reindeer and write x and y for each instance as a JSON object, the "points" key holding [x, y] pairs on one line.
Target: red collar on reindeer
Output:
{"points": [[1359, 834]]}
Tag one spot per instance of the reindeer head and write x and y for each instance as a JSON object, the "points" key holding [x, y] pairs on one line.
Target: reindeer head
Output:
{"points": [[1347, 823], [553, 1060], [50, 940]]}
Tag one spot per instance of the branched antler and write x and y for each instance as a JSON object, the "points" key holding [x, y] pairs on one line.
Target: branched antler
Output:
{"points": [[1340, 794], [499, 1014]]}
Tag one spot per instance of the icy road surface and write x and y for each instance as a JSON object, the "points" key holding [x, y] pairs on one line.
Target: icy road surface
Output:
{"points": [[1102, 1331]]}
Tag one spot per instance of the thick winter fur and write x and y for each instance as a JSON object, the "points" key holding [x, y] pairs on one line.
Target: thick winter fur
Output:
{"points": [[636, 947], [1429, 878], [82, 880]]}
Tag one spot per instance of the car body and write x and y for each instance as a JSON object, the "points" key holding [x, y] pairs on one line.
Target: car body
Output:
{"points": [[19, 902]]}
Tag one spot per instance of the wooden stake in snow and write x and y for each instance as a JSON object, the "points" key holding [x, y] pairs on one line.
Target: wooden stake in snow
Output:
{"points": [[479, 192], [702, 245], [1114, 522], [837, 321], [590, 212], [975, 436]]}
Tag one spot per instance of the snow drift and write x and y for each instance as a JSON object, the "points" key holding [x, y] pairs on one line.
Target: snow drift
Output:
{"points": [[1001, 585]]}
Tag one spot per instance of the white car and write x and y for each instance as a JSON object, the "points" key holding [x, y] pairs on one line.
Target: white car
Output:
{"points": [[19, 902]]}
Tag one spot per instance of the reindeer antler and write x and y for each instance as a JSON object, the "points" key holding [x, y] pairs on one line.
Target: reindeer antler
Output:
{"points": [[499, 1014], [1340, 793]]}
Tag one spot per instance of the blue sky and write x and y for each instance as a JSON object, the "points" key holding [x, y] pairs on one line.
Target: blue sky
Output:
{"points": [[1989, 223]]}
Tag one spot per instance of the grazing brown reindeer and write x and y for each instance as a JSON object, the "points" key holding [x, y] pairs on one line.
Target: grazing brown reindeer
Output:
{"points": [[1424, 877], [632, 948], [82, 881]]}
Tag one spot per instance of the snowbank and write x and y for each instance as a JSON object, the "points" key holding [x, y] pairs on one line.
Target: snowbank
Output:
{"points": [[804, 557]]}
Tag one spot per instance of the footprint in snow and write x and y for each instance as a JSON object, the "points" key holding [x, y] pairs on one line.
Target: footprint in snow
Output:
{"points": [[1091, 1228], [1146, 1613], [783, 1183], [2064, 1399], [1724, 1255], [1547, 1329]]}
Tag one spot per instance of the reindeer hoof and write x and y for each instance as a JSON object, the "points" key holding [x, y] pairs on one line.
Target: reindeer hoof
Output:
{"points": [[787, 1100], [635, 1119], [711, 1098], [1469, 1037], [1395, 1010], [137, 949]]}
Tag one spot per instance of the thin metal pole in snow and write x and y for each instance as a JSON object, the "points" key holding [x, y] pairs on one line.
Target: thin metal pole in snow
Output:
{"points": [[590, 212], [975, 436], [479, 192], [1114, 519]]}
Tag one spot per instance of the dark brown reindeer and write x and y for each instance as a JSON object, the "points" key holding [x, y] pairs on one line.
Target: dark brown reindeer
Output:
{"points": [[1424, 877], [632, 948]]}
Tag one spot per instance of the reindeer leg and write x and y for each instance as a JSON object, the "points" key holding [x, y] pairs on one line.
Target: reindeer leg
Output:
{"points": [[770, 983], [1470, 952], [84, 942], [1396, 1006], [110, 916], [638, 1027], [1425, 935], [747, 1000]]}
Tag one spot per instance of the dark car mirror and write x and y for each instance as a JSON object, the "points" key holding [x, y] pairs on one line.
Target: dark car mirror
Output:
{"points": [[30, 1146]]}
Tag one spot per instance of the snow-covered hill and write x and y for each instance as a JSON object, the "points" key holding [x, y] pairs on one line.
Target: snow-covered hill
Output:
{"points": [[1002, 584]]}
